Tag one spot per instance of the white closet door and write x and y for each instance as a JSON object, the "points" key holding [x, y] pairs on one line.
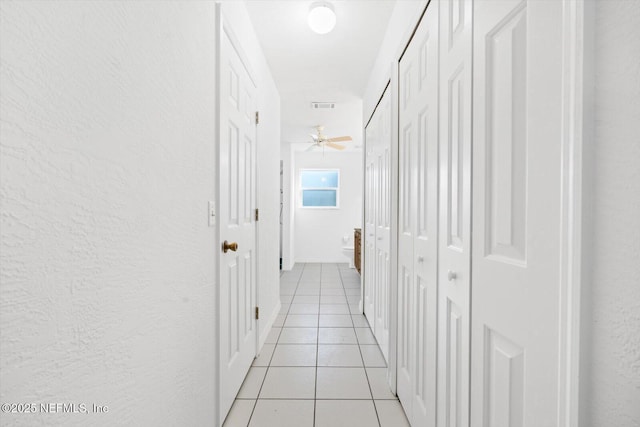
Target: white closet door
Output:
{"points": [[369, 232], [377, 222], [418, 246], [406, 233], [455, 213], [517, 213], [383, 224]]}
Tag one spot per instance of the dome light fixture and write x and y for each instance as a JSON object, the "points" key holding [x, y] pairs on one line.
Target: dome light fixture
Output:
{"points": [[321, 18]]}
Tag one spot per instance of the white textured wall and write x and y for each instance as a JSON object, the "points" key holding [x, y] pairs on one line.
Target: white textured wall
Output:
{"points": [[269, 205], [403, 20], [288, 208], [107, 147], [319, 232], [611, 324]]}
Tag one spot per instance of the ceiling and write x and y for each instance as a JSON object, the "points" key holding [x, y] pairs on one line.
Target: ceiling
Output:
{"points": [[310, 67]]}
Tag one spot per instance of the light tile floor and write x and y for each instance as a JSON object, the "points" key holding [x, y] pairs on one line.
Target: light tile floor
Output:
{"points": [[321, 365]]}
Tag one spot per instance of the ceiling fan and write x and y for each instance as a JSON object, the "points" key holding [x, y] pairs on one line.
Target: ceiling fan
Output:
{"points": [[321, 140]]}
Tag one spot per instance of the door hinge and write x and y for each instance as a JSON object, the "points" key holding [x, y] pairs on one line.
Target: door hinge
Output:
{"points": [[257, 117], [257, 214], [257, 312]]}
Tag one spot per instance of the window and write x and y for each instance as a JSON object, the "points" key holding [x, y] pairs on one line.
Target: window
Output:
{"points": [[319, 188]]}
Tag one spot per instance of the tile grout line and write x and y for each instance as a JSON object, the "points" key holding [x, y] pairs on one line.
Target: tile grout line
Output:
{"points": [[323, 268], [364, 366], [322, 398], [315, 384], [272, 354], [320, 366]]}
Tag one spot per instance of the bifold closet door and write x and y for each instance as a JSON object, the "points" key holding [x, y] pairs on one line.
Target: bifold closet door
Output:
{"points": [[517, 288], [369, 232], [418, 222], [378, 222], [383, 224], [454, 251]]}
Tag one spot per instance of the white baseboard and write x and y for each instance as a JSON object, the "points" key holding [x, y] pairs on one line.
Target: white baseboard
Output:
{"points": [[269, 324]]}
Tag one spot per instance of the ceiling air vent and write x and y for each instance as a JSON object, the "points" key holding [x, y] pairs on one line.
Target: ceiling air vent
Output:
{"points": [[318, 105]]}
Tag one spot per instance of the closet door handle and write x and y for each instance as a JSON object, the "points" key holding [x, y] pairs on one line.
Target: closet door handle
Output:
{"points": [[420, 259], [451, 275]]}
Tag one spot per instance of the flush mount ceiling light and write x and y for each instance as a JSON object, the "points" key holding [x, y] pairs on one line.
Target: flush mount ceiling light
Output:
{"points": [[322, 18]]}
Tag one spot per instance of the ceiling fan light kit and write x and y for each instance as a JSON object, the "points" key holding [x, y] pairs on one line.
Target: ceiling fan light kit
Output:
{"points": [[321, 140], [322, 18]]}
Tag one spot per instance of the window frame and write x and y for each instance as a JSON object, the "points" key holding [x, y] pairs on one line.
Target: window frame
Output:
{"points": [[302, 189]]}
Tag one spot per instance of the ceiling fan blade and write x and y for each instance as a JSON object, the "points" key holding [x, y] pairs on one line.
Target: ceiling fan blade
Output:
{"points": [[311, 147], [336, 146], [340, 139]]}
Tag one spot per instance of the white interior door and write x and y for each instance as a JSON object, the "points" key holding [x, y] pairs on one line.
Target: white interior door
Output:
{"points": [[418, 247], [382, 157], [517, 213], [454, 274], [369, 234], [407, 193], [237, 195], [378, 222]]}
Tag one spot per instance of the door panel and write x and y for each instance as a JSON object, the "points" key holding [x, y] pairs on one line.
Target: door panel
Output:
{"points": [[418, 244], [369, 241], [371, 192], [406, 299], [405, 360], [517, 213], [383, 224], [506, 145], [455, 206], [454, 250], [456, 355], [377, 222], [237, 204]]}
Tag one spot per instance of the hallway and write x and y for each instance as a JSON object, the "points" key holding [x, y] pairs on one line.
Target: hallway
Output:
{"points": [[162, 162], [321, 365]]}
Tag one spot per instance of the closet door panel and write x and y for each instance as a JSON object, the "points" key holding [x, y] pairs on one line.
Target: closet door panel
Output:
{"points": [[406, 226], [369, 237], [517, 214], [419, 221], [426, 241], [383, 224], [455, 213], [378, 222]]}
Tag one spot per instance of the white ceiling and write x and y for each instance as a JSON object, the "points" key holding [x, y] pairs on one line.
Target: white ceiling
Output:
{"points": [[311, 67]]}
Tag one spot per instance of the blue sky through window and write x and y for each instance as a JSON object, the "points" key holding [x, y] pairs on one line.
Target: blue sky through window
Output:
{"points": [[319, 187], [319, 179]]}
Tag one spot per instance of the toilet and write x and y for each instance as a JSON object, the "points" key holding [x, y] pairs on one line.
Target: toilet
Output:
{"points": [[348, 252]]}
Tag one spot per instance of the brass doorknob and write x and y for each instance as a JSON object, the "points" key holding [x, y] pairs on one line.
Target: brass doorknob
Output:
{"points": [[226, 246]]}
